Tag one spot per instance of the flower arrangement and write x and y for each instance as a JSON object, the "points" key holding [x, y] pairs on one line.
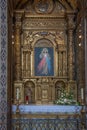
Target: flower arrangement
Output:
{"points": [[66, 99]]}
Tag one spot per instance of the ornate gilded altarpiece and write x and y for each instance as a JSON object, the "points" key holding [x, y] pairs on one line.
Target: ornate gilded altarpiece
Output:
{"points": [[43, 52]]}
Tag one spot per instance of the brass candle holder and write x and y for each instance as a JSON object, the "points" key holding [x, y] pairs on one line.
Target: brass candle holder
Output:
{"points": [[17, 109]]}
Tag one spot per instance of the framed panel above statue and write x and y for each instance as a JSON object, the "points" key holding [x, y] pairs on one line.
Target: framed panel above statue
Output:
{"points": [[44, 58]]}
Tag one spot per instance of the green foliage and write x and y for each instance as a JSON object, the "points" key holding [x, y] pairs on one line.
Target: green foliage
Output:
{"points": [[66, 99]]}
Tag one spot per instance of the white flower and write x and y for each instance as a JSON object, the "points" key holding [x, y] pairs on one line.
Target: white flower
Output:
{"points": [[65, 100]]}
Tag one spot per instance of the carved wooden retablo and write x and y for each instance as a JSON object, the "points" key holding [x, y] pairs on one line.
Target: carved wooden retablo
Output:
{"points": [[43, 52]]}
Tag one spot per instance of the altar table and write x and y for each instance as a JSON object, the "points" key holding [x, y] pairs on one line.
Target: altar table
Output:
{"points": [[47, 108]]}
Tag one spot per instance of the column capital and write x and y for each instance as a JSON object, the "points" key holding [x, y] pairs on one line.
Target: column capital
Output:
{"points": [[70, 21], [18, 18], [18, 13]]}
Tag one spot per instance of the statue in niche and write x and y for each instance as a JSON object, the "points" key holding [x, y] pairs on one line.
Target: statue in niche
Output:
{"points": [[28, 95], [59, 88], [29, 92]]}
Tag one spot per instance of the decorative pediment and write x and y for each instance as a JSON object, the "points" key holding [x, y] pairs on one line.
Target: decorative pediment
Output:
{"points": [[46, 6]]}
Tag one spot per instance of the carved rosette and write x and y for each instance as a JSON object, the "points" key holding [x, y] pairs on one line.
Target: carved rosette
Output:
{"points": [[43, 6]]}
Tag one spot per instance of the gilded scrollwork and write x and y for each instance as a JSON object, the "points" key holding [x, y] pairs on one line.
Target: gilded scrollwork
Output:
{"points": [[29, 38], [60, 37]]}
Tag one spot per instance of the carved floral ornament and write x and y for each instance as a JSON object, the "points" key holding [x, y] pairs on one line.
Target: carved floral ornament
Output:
{"points": [[58, 37], [43, 24]]}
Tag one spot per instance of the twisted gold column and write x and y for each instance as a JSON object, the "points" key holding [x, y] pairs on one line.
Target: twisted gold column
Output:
{"points": [[18, 46], [70, 49], [29, 63], [24, 64]]}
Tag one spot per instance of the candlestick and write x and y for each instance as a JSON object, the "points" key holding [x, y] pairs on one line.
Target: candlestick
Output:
{"points": [[17, 94], [82, 94]]}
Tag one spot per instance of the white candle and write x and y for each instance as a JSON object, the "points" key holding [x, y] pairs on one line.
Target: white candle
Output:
{"points": [[82, 94], [17, 93]]}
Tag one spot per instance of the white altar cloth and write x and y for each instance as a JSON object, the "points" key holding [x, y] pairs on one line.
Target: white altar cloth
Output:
{"points": [[47, 109]]}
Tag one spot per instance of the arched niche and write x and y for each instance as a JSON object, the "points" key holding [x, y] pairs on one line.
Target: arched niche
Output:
{"points": [[43, 42], [29, 92], [59, 88]]}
